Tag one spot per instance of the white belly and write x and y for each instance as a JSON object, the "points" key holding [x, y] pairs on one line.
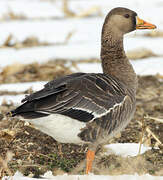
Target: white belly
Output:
{"points": [[62, 128]]}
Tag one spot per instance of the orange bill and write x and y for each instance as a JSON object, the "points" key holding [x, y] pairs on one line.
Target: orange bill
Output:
{"points": [[141, 24]]}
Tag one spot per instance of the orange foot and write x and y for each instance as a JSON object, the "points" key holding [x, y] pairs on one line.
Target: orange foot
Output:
{"points": [[90, 157]]}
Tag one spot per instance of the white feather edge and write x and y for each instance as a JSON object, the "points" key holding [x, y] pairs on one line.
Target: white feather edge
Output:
{"points": [[96, 115]]}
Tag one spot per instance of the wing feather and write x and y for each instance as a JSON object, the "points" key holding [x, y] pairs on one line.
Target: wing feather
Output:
{"points": [[80, 96]]}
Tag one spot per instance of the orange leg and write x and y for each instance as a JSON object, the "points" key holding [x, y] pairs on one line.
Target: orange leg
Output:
{"points": [[90, 157]]}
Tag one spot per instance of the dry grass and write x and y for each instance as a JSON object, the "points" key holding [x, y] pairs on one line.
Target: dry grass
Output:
{"points": [[4, 169], [154, 34], [150, 133], [159, 76], [117, 165], [32, 41], [10, 15], [28, 42], [68, 13], [140, 54], [66, 10], [34, 72], [153, 118], [93, 11]]}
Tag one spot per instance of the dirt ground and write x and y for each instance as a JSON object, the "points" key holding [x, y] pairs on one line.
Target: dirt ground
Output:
{"points": [[33, 152]]}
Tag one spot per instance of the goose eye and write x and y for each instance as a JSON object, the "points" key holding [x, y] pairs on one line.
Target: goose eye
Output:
{"points": [[126, 15]]}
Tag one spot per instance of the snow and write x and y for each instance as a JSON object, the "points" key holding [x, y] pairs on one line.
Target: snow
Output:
{"points": [[16, 99], [33, 9], [48, 176], [37, 8], [18, 87], [126, 149], [84, 43]]}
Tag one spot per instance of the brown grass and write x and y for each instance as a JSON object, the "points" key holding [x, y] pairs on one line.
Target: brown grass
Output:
{"points": [[32, 41], [117, 165], [140, 54], [10, 15], [4, 169], [68, 13], [34, 72], [154, 34]]}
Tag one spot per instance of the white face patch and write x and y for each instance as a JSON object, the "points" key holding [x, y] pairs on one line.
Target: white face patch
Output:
{"points": [[62, 128]]}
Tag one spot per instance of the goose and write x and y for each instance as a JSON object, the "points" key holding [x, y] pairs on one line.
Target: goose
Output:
{"points": [[90, 108]]}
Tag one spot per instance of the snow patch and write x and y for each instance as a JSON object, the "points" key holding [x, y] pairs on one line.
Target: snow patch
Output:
{"points": [[126, 149], [49, 176], [18, 87]]}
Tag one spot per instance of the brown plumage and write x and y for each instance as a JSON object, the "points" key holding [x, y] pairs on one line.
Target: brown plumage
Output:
{"points": [[87, 107]]}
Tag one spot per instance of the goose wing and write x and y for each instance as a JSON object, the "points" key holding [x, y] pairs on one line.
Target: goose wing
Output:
{"points": [[81, 96]]}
